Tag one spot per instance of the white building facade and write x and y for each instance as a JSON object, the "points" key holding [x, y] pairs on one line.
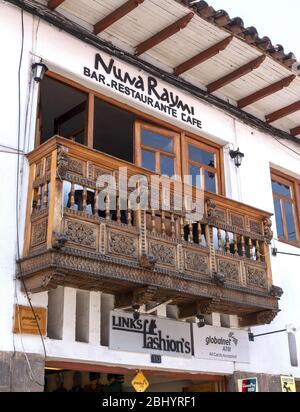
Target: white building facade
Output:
{"points": [[77, 319]]}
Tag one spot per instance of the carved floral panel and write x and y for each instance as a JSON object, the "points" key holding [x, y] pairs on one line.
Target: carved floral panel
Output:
{"points": [[122, 244], [256, 277], [230, 269], [76, 166], [164, 254], [81, 233], [196, 262], [237, 220], [39, 233]]}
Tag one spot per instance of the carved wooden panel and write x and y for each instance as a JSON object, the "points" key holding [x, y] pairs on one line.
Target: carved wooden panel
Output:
{"points": [[220, 215], [230, 269], [48, 164], [39, 233], [165, 254], [99, 171], [196, 262], [121, 243], [256, 227], [256, 277], [81, 233], [237, 220], [76, 166], [38, 172]]}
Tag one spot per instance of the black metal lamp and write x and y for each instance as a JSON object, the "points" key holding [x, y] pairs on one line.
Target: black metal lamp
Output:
{"points": [[39, 70], [136, 313], [201, 321], [237, 156]]}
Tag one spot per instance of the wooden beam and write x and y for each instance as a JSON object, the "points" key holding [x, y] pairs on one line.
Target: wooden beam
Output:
{"points": [[203, 56], [267, 91], [295, 131], [116, 15], [53, 4], [236, 74], [163, 34], [285, 111]]}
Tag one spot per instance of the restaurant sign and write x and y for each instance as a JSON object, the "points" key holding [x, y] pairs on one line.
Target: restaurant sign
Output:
{"points": [[221, 344], [149, 334], [136, 85]]}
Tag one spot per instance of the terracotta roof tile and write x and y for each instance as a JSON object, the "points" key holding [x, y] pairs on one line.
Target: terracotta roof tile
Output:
{"points": [[236, 25]]}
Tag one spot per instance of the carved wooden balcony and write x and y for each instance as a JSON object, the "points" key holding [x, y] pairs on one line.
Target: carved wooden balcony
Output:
{"points": [[220, 264]]}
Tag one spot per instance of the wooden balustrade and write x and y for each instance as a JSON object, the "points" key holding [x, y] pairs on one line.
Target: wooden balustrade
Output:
{"points": [[229, 242]]}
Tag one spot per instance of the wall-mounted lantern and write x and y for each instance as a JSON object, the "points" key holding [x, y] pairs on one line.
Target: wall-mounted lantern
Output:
{"points": [[39, 70], [237, 156]]}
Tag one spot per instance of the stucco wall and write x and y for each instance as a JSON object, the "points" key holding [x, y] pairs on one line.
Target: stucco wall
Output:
{"points": [[250, 184]]}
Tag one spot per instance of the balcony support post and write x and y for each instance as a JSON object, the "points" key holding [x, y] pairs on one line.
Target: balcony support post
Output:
{"points": [[55, 201], [30, 195]]}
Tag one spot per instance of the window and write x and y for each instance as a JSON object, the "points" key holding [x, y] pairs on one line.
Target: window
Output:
{"points": [[62, 111], [203, 166], [113, 130], [285, 206], [157, 149]]}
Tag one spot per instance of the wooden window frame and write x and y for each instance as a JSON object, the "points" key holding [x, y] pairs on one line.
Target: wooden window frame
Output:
{"points": [[138, 146], [294, 185], [144, 118], [216, 150]]}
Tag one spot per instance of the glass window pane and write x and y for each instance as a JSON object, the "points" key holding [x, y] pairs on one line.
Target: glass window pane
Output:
{"points": [[148, 160], [278, 217], [167, 166], [157, 140], [290, 223], [281, 189], [195, 178], [210, 182], [201, 156]]}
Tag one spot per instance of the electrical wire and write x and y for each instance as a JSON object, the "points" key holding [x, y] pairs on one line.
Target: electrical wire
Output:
{"points": [[284, 145], [32, 376]]}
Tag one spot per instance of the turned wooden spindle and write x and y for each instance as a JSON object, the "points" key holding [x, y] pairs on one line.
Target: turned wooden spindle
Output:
{"points": [[129, 214], [243, 246], [191, 235], [257, 251], [84, 199], [236, 250], [172, 225], [46, 191], [96, 202], [219, 239], [39, 198], [72, 197], [181, 229], [118, 209], [199, 233], [153, 222], [250, 245], [107, 207], [227, 242], [163, 222]]}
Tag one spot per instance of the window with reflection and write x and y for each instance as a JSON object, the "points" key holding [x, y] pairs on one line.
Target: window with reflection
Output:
{"points": [[157, 149], [203, 166], [285, 207]]}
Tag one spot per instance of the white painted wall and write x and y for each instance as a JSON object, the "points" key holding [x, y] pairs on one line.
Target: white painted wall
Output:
{"points": [[250, 184]]}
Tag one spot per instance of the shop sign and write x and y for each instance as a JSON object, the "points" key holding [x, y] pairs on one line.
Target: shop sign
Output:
{"points": [[248, 385], [26, 322], [139, 382], [148, 334], [288, 384], [134, 84], [221, 344]]}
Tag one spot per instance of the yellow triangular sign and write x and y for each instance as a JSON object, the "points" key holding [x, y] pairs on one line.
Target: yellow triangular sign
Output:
{"points": [[139, 382]]}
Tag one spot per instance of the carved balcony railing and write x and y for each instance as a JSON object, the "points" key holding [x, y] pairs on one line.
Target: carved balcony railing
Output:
{"points": [[219, 264]]}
